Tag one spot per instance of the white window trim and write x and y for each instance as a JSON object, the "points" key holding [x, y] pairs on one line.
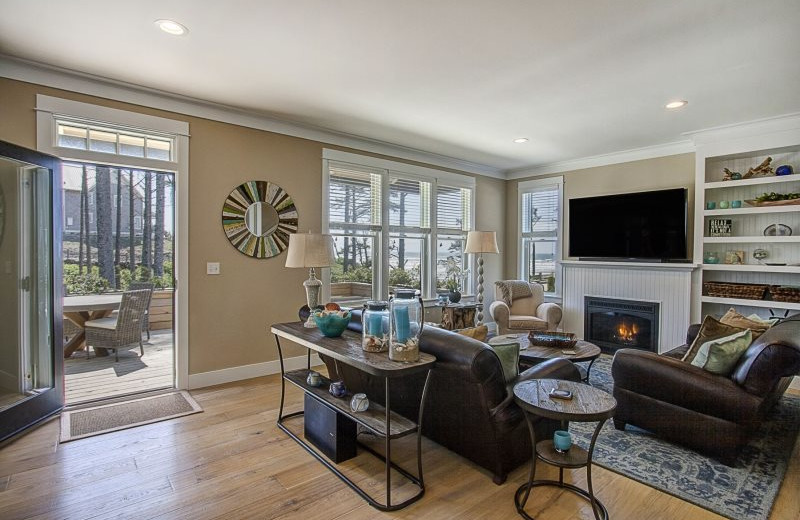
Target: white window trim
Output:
{"points": [[47, 108], [535, 185], [388, 169]]}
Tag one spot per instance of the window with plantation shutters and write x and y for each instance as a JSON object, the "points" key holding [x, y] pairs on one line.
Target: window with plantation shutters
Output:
{"points": [[540, 225], [394, 225]]}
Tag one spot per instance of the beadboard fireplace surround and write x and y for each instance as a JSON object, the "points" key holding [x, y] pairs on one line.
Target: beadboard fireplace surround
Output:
{"points": [[669, 285]]}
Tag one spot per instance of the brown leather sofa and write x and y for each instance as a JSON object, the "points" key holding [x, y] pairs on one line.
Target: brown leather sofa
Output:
{"points": [[469, 408], [712, 414]]}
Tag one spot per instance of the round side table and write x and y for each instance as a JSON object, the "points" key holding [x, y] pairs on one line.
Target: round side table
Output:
{"points": [[588, 404]]}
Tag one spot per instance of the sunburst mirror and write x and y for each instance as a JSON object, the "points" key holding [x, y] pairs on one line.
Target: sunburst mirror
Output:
{"points": [[258, 217]]}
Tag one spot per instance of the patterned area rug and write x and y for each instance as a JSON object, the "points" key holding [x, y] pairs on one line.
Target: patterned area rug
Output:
{"points": [[745, 491]]}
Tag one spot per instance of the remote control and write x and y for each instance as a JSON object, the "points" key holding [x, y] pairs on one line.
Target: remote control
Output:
{"points": [[560, 394]]}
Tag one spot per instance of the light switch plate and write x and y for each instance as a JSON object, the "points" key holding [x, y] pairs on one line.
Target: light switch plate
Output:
{"points": [[212, 268]]}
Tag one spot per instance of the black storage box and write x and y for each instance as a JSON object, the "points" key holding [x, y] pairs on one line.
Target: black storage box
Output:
{"points": [[332, 432]]}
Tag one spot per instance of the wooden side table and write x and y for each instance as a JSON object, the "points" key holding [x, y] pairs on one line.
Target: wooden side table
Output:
{"points": [[583, 351], [588, 404], [458, 316]]}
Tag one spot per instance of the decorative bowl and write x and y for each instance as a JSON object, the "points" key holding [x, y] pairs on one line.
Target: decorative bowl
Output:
{"points": [[331, 324], [552, 339]]}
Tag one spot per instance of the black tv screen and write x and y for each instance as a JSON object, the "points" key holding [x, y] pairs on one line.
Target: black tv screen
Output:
{"points": [[648, 225]]}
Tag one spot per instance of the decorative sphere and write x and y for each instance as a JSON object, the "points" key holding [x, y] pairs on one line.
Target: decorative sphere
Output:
{"points": [[784, 169]]}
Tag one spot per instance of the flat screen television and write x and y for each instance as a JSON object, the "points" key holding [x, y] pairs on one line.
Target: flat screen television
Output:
{"points": [[642, 226]]}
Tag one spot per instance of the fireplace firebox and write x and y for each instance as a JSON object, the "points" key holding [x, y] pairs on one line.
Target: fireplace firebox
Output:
{"points": [[613, 324]]}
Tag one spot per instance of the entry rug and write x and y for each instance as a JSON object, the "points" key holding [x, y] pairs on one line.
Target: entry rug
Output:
{"points": [[86, 422], [746, 491]]}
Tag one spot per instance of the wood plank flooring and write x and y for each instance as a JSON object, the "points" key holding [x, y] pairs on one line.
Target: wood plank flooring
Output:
{"points": [[102, 377], [232, 462]]}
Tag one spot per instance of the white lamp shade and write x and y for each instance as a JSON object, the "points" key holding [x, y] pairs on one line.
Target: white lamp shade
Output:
{"points": [[310, 250], [481, 242]]}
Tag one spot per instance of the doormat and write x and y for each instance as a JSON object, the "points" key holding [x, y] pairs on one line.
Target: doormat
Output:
{"points": [[746, 490], [86, 422]]}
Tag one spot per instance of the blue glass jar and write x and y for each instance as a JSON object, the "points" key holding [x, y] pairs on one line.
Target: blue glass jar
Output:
{"points": [[407, 315], [375, 326]]}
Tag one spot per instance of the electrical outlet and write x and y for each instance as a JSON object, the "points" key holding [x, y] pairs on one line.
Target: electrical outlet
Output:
{"points": [[212, 268]]}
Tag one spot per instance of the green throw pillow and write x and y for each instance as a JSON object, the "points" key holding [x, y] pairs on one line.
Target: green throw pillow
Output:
{"points": [[719, 356], [508, 353]]}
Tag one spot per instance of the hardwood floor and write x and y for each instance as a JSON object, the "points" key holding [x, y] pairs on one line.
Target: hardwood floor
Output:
{"points": [[232, 462], [102, 377]]}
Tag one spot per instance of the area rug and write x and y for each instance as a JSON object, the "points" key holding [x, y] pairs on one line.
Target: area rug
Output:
{"points": [[746, 491], [86, 422]]}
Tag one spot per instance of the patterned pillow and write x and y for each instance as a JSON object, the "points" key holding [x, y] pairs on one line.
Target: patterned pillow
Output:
{"points": [[480, 332], [710, 329]]}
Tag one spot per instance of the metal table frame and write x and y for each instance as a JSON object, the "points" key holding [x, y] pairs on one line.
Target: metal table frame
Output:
{"points": [[279, 331]]}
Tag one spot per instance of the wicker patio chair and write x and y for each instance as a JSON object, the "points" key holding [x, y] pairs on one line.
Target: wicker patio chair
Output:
{"points": [[137, 286], [121, 331]]}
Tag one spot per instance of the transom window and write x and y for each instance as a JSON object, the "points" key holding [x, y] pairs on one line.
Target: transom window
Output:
{"points": [[84, 136], [394, 229], [540, 232]]}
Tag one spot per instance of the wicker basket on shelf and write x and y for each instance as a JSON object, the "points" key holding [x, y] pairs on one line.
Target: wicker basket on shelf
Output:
{"points": [[744, 291], [783, 293]]}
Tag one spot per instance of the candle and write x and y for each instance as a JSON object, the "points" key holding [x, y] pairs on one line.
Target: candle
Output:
{"points": [[401, 324], [374, 327]]}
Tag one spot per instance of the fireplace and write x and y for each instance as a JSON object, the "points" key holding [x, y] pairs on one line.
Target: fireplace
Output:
{"points": [[613, 324]]}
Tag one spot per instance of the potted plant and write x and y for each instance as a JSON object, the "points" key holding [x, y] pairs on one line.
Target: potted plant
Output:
{"points": [[454, 289], [454, 275]]}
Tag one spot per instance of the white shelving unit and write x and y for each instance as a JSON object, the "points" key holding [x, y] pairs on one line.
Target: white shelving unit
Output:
{"points": [[738, 151]]}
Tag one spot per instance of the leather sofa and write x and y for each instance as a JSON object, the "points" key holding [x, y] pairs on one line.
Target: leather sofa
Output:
{"points": [[712, 414], [469, 407]]}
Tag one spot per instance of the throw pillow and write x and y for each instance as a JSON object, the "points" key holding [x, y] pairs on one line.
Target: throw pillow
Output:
{"points": [[480, 332], [719, 356], [710, 329], [508, 353], [766, 321], [734, 319]]}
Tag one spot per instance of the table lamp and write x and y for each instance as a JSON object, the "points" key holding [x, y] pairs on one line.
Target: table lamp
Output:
{"points": [[311, 250], [479, 242]]}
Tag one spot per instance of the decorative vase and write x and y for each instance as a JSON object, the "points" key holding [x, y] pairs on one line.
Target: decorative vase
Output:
{"points": [[784, 169], [454, 296], [405, 326], [375, 326]]}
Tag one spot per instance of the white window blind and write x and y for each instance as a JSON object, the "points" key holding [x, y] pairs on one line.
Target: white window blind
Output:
{"points": [[453, 208], [354, 197], [409, 203], [540, 214]]}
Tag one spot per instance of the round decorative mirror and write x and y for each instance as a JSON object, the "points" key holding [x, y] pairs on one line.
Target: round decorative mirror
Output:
{"points": [[258, 217]]}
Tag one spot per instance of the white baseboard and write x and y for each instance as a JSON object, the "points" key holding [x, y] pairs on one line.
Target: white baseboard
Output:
{"points": [[228, 375]]}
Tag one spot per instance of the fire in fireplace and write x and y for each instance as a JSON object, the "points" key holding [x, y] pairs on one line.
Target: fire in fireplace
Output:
{"points": [[613, 323]]}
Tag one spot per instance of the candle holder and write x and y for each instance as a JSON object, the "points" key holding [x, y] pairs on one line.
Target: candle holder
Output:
{"points": [[405, 326]]}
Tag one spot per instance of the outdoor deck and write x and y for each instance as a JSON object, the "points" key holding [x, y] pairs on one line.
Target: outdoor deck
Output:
{"points": [[101, 377]]}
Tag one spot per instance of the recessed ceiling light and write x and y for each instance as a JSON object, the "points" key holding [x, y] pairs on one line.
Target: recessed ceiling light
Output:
{"points": [[521, 140], [171, 27], [672, 105]]}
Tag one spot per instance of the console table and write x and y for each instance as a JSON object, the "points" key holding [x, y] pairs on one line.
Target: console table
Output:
{"points": [[588, 404], [378, 419]]}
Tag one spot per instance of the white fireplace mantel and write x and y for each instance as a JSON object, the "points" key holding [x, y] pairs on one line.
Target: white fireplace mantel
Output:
{"points": [[668, 284]]}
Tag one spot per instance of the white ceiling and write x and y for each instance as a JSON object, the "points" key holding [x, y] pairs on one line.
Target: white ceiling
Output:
{"points": [[460, 78]]}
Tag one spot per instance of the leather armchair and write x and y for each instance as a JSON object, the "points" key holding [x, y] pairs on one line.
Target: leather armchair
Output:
{"points": [[469, 407], [525, 314], [712, 414]]}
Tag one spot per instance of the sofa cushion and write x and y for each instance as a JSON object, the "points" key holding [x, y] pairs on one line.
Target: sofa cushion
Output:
{"points": [[719, 356], [734, 319], [522, 322], [711, 329]]}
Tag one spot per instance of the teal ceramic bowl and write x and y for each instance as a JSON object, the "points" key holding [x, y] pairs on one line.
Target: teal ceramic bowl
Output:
{"points": [[331, 325]]}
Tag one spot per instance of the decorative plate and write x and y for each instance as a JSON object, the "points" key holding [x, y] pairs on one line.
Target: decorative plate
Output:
{"points": [[777, 230], [258, 217]]}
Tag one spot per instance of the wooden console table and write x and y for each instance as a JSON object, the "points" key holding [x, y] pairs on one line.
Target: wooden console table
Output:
{"points": [[378, 419]]}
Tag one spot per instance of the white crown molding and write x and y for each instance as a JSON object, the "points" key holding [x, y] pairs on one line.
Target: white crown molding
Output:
{"points": [[637, 154], [746, 129], [66, 79]]}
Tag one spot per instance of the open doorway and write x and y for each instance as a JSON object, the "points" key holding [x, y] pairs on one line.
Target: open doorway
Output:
{"points": [[118, 236]]}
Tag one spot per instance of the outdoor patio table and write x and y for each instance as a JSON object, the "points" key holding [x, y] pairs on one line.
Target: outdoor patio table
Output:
{"points": [[80, 309]]}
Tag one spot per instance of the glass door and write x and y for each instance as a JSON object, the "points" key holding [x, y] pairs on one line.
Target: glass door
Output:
{"points": [[30, 371]]}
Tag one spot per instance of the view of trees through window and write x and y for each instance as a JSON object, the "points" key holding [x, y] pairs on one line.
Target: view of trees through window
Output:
{"points": [[118, 228]]}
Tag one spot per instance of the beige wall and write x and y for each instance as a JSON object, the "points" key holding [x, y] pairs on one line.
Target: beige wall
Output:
{"points": [[675, 171], [230, 314]]}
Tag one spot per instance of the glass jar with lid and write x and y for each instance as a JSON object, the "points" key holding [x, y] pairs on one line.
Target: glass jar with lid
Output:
{"points": [[375, 326], [407, 315]]}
